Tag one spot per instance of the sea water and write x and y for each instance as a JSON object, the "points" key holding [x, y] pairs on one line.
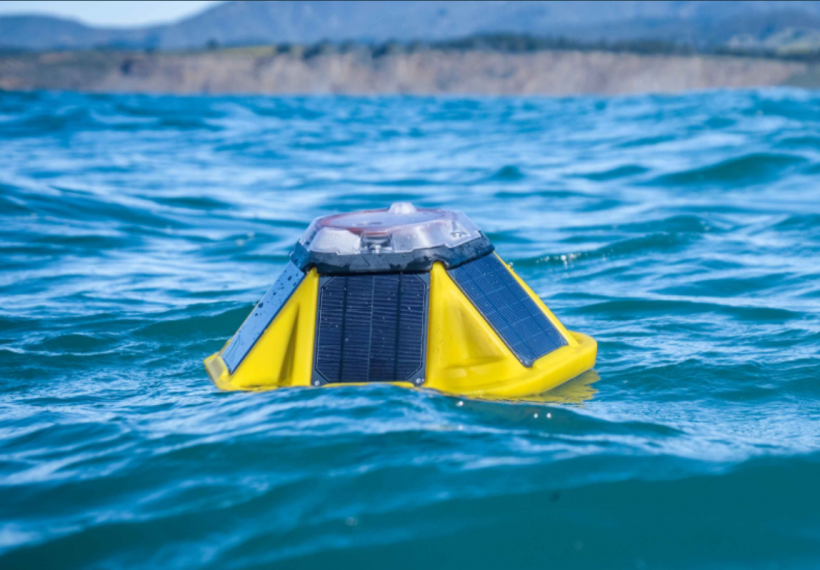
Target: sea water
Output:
{"points": [[682, 232]]}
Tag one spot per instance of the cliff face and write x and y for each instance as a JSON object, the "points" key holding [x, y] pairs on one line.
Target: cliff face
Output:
{"points": [[262, 70]]}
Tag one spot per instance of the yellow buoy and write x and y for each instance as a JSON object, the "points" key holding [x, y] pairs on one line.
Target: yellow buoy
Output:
{"points": [[415, 297]]}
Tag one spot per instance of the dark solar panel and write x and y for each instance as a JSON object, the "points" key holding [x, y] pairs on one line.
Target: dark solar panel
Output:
{"points": [[262, 316], [506, 306], [371, 328]]}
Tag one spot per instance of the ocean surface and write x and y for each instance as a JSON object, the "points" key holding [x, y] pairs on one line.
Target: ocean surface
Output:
{"points": [[682, 232]]}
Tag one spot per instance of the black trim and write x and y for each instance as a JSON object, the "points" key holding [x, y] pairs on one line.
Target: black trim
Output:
{"points": [[420, 260]]}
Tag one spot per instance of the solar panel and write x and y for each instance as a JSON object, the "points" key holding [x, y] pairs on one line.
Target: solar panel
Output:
{"points": [[371, 328], [262, 316], [503, 303]]}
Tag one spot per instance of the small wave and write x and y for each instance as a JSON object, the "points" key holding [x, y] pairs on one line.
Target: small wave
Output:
{"points": [[812, 169], [508, 173], [687, 307], [69, 120], [74, 343], [279, 109], [646, 141], [624, 171], [79, 205], [194, 202], [657, 242], [10, 204], [404, 182], [685, 224], [747, 169], [736, 287], [186, 124], [812, 142], [524, 193], [510, 237], [801, 222], [224, 324]]}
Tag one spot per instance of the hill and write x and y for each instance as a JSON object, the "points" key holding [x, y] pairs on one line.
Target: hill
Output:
{"points": [[698, 23]]}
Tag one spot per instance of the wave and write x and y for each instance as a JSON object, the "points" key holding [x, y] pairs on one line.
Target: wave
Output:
{"points": [[508, 173], [624, 171], [754, 168], [652, 243], [138, 232], [462, 519]]}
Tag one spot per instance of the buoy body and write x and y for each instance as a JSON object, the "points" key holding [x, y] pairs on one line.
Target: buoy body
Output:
{"points": [[416, 297]]}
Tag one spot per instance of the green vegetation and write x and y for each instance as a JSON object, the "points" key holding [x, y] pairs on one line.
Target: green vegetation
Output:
{"points": [[518, 43], [502, 43]]}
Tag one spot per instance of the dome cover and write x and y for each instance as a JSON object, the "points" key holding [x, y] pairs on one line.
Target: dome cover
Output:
{"points": [[395, 239]]}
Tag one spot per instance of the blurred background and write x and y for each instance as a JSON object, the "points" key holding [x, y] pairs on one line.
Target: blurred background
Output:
{"points": [[408, 47]]}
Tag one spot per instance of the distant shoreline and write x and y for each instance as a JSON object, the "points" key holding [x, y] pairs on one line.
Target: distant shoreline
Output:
{"points": [[425, 71]]}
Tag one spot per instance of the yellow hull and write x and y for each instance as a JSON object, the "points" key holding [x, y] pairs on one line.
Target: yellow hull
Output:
{"points": [[464, 354]]}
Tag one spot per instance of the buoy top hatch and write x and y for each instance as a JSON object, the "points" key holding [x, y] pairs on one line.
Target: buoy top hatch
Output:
{"points": [[400, 238]]}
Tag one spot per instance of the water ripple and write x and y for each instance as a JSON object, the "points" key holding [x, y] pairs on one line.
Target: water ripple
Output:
{"points": [[681, 231]]}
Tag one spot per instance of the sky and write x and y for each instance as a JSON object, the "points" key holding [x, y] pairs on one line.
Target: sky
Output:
{"points": [[119, 14]]}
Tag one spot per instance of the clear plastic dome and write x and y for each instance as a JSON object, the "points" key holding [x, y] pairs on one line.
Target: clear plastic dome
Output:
{"points": [[402, 228]]}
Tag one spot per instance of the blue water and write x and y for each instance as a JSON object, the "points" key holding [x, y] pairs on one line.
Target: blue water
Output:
{"points": [[682, 232]]}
